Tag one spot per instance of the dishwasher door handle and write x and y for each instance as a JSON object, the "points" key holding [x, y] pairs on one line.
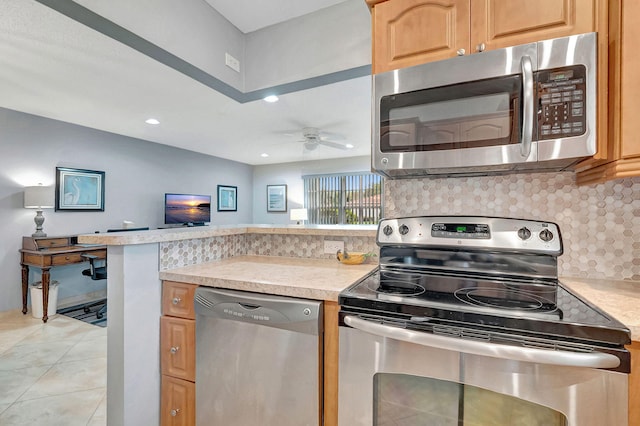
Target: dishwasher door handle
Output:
{"points": [[516, 353]]}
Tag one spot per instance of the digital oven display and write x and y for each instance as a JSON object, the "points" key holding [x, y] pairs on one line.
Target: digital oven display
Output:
{"points": [[461, 230]]}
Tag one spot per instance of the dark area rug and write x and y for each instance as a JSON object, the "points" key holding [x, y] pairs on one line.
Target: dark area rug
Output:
{"points": [[94, 313]]}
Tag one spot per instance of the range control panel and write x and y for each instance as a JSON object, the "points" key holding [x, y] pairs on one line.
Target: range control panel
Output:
{"points": [[472, 232], [561, 102]]}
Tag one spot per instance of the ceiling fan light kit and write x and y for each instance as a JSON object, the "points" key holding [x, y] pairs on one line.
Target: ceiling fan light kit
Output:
{"points": [[312, 139]]}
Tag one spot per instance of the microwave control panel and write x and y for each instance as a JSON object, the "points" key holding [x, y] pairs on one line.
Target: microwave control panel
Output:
{"points": [[561, 102]]}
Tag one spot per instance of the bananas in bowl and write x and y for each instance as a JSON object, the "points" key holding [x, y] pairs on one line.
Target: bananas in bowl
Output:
{"points": [[353, 257]]}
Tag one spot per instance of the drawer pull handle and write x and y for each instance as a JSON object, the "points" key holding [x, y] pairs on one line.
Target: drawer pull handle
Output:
{"points": [[66, 258], [176, 300], [174, 350], [174, 412]]}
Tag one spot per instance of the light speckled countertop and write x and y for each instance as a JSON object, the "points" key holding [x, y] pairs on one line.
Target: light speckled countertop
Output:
{"points": [[620, 299], [319, 279], [324, 279], [186, 233]]}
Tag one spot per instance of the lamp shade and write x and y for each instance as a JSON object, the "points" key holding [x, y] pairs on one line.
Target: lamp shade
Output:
{"points": [[299, 214], [38, 197]]}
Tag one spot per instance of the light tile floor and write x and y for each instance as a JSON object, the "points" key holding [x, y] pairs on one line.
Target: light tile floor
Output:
{"points": [[52, 374]]}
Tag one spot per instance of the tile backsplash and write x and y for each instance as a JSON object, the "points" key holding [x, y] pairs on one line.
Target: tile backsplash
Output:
{"points": [[600, 224], [176, 254]]}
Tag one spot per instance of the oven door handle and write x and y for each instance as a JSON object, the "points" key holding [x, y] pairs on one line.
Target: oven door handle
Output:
{"points": [[527, 106], [516, 353]]}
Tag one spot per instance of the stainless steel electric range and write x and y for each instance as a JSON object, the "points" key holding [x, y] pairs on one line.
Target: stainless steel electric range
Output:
{"points": [[471, 307]]}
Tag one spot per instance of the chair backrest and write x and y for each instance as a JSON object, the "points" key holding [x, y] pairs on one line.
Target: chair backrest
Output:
{"points": [[95, 272]]}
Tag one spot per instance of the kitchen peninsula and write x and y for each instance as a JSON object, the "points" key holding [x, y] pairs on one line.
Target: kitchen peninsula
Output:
{"points": [[285, 260], [138, 261]]}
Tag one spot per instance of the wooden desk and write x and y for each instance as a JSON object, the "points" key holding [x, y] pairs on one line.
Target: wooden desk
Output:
{"points": [[48, 252]]}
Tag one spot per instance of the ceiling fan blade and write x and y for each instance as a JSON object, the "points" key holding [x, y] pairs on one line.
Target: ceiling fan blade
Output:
{"points": [[332, 144]]}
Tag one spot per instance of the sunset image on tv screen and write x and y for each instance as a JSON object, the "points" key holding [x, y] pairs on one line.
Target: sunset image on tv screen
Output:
{"points": [[186, 208]]}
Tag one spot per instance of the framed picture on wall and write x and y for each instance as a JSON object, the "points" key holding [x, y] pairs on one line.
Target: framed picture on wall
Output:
{"points": [[227, 198], [277, 198], [79, 190]]}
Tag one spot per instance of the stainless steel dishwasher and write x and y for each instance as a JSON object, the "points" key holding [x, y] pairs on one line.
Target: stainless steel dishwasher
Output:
{"points": [[257, 359]]}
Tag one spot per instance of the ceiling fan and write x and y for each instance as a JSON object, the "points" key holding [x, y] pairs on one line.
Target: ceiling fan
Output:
{"points": [[312, 140]]}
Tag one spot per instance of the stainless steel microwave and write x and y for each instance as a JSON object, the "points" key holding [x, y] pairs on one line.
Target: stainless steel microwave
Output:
{"points": [[527, 107]]}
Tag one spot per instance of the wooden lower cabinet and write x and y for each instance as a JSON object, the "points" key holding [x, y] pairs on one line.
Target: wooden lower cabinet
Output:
{"points": [[178, 355], [634, 384], [331, 356], [177, 358], [178, 347], [177, 402]]}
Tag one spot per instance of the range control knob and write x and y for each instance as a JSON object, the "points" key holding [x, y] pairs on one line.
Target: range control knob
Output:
{"points": [[404, 229], [546, 235], [524, 233], [387, 230]]}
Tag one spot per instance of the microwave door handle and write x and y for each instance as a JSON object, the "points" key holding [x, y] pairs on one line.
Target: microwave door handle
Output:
{"points": [[483, 348], [527, 106]]}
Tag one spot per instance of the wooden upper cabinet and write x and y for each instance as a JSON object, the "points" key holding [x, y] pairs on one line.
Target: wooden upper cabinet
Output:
{"points": [[410, 32], [504, 23], [628, 91], [622, 159]]}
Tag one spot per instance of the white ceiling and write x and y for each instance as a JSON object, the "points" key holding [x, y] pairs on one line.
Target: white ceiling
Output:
{"points": [[265, 13], [52, 66]]}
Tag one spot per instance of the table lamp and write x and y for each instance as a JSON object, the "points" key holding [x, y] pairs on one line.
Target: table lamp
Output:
{"points": [[38, 197], [299, 215]]}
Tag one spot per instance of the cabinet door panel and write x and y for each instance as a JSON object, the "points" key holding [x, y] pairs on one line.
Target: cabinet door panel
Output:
{"points": [[411, 32], [177, 347], [177, 299], [504, 23], [629, 85], [177, 402]]}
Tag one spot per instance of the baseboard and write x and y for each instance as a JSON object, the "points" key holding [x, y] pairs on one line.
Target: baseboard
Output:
{"points": [[81, 299]]}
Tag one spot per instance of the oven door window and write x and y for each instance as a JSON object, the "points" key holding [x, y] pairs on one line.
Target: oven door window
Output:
{"points": [[401, 399], [467, 115]]}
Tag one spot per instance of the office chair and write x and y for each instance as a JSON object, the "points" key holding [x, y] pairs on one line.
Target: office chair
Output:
{"points": [[100, 273], [96, 272]]}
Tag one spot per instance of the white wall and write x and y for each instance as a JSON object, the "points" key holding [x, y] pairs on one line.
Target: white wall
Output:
{"points": [[138, 173], [189, 29], [332, 39], [329, 40], [291, 174]]}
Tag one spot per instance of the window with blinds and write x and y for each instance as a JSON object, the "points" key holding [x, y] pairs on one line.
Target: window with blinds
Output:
{"points": [[354, 198]]}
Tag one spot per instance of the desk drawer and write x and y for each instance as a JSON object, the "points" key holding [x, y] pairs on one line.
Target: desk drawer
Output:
{"points": [[69, 258], [52, 242]]}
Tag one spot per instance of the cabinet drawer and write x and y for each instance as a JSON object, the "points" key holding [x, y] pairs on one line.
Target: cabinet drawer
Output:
{"points": [[178, 347], [177, 402], [177, 299]]}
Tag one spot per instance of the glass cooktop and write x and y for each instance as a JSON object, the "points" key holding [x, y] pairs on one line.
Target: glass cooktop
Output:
{"points": [[541, 308]]}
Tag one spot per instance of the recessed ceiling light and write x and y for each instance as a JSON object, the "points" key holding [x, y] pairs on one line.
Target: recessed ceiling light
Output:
{"points": [[152, 121], [264, 155], [271, 98], [349, 145]]}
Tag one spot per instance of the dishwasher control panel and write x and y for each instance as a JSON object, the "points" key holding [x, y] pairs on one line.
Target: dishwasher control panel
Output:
{"points": [[282, 312]]}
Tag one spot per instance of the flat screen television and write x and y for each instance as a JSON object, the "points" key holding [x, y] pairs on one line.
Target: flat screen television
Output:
{"points": [[187, 209]]}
